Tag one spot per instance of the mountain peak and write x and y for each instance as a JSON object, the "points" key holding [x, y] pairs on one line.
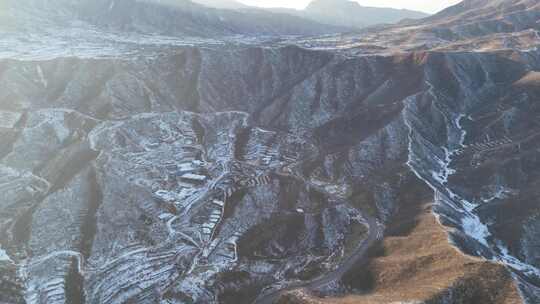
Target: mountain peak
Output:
{"points": [[332, 4], [222, 4], [352, 14]]}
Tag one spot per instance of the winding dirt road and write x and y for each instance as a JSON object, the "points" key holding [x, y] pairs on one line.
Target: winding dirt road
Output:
{"points": [[375, 234]]}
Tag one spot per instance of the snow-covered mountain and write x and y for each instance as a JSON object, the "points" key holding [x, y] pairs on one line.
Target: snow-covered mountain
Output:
{"points": [[179, 18], [351, 14], [225, 4]]}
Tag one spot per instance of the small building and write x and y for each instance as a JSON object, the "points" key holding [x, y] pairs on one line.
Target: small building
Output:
{"points": [[165, 196], [171, 167], [188, 167], [193, 178], [198, 163]]}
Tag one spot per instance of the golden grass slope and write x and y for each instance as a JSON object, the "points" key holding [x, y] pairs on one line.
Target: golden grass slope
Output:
{"points": [[416, 264]]}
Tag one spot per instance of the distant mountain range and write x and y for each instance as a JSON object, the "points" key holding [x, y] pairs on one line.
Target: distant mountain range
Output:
{"points": [[180, 18], [351, 14], [185, 18], [223, 4], [343, 13], [205, 18]]}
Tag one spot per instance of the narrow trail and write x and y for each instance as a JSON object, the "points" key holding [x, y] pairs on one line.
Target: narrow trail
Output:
{"points": [[359, 254], [68, 253]]}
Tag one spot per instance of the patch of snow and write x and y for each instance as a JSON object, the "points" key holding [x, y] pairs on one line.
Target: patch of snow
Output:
{"points": [[165, 216], [9, 119], [164, 195], [471, 223], [500, 193], [473, 227], [513, 262], [4, 257], [68, 253], [446, 171], [460, 127], [62, 133], [56, 120], [194, 177], [41, 76]]}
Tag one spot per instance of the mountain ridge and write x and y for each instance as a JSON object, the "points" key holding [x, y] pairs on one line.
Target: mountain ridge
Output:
{"points": [[351, 13]]}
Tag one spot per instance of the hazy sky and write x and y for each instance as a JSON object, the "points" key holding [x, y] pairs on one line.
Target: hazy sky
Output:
{"points": [[429, 6]]}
